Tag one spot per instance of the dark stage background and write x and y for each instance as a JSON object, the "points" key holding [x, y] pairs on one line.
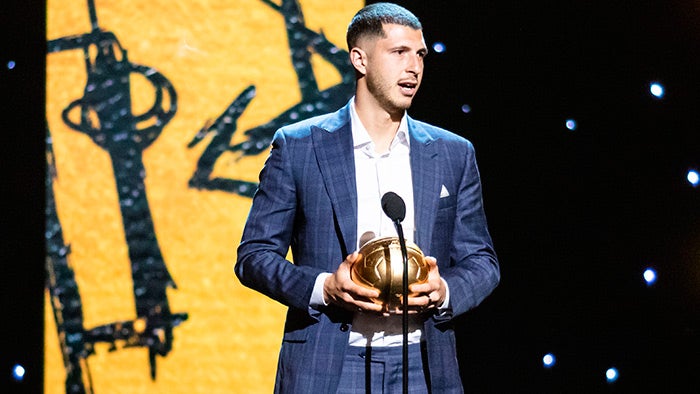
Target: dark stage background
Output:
{"points": [[576, 216]]}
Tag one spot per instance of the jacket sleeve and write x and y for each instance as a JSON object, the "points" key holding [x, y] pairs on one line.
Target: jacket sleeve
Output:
{"points": [[473, 272], [261, 260]]}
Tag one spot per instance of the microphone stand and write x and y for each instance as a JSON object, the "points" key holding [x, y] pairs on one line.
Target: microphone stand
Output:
{"points": [[395, 209], [404, 299]]}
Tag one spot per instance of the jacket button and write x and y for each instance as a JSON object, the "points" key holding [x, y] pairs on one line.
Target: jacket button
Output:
{"points": [[344, 327]]}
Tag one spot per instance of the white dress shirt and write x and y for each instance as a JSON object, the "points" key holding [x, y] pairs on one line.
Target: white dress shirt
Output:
{"points": [[377, 174]]}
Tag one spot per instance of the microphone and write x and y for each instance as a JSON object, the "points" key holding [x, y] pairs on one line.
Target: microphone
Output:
{"points": [[395, 209]]}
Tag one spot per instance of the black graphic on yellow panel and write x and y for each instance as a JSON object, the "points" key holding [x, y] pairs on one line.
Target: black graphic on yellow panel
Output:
{"points": [[104, 113], [313, 102], [105, 116]]}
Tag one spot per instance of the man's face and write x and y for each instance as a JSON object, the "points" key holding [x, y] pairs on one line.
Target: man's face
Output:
{"points": [[395, 67]]}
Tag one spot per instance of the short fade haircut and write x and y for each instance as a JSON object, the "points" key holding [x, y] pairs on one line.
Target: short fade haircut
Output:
{"points": [[370, 21]]}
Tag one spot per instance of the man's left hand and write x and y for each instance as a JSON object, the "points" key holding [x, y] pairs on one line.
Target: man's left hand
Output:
{"points": [[430, 294]]}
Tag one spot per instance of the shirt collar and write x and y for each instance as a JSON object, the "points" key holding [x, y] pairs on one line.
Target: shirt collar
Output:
{"points": [[360, 136]]}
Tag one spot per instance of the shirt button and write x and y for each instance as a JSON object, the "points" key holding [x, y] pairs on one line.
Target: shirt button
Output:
{"points": [[344, 327]]}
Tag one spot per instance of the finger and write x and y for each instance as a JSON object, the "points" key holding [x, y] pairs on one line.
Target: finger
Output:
{"points": [[422, 288], [412, 310], [430, 302], [419, 301], [359, 291], [432, 299], [368, 306], [432, 261], [351, 258], [355, 304]]}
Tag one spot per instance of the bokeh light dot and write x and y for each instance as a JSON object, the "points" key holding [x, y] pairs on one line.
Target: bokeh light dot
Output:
{"points": [[439, 47], [649, 276], [18, 372], [549, 360], [466, 108], [612, 374], [571, 124], [11, 64], [693, 177], [656, 89]]}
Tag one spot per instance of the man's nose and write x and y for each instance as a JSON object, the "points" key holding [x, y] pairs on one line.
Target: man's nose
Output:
{"points": [[415, 64]]}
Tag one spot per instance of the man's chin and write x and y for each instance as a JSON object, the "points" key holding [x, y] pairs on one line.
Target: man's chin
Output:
{"points": [[398, 105], [404, 103], [406, 106]]}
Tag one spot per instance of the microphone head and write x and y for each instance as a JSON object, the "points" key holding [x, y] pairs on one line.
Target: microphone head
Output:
{"points": [[393, 206]]}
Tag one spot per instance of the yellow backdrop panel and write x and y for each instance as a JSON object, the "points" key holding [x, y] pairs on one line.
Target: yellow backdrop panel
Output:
{"points": [[210, 50]]}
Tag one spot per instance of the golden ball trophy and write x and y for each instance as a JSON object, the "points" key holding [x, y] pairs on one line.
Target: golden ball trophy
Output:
{"points": [[380, 266]]}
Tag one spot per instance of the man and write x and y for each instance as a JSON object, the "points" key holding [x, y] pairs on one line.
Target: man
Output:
{"points": [[320, 191]]}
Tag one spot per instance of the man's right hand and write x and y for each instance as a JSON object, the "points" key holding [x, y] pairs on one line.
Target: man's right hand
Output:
{"points": [[339, 289]]}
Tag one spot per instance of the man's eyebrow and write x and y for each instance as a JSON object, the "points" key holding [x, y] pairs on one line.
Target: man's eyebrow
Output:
{"points": [[401, 47], [423, 51]]}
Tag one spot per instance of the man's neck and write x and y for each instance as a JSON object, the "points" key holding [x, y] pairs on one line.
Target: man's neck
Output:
{"points": [[380, 124]]}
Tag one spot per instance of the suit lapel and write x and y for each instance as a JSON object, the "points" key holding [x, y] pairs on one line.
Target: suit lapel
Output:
{"points": [[426, 182], [334, 152]]}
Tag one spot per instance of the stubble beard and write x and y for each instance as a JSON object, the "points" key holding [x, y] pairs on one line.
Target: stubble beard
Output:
{"points": [[382, 91]]}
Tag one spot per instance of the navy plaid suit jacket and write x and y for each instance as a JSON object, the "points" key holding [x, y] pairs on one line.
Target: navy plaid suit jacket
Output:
{"points": [[307, 200]]}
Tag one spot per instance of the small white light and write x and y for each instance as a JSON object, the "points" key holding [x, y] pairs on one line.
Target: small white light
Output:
{"points": [[549, 360], [611, 374], [439, 47], [571, 124], [693, 177], [11, 64], [656, 89], [649, 276], [18, 372], [466, 108]]}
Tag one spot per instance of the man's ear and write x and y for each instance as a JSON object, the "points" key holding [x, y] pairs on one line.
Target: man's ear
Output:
{"points": [[358, 58]]}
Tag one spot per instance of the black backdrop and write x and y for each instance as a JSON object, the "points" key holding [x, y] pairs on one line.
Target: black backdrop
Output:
{"points": [[576, 216]]}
